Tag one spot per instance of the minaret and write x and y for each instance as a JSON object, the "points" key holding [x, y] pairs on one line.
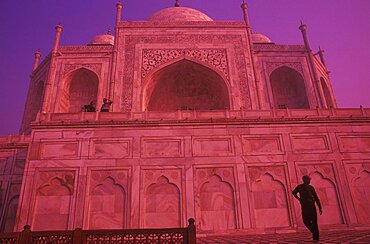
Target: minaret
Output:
{"points": [[320, 92], [244, 7], [36, 60], [49, 85], [59, 30], [111, 88], [119, 7]]}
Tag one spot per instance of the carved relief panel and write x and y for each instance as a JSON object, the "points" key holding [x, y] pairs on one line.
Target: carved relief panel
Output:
{"points": [[215, 199], [269, 193], [107, 204], [96, 67], [153, 58], [161, 205], [358, 175], [53, 200], [323, 178]]}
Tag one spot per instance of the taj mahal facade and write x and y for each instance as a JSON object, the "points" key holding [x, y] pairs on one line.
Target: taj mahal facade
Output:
{"points": [[209, 121]]}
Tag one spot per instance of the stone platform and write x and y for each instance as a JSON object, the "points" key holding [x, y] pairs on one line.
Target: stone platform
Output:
{"points": [[337, 236]]}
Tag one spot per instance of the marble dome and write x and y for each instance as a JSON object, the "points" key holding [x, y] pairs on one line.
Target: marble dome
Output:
{"points": [[260, 38], [103, 39], [179, 14]]}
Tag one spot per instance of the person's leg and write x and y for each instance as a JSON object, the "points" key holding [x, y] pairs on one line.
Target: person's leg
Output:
{"points": [[315, 227], [306, 216]]}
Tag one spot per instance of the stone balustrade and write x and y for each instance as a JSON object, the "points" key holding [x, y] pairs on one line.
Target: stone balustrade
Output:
{"points": [[174, 235], [195, 115]]}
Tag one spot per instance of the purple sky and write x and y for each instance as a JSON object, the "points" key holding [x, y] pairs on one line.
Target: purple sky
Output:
{"points": [[340, 27]]}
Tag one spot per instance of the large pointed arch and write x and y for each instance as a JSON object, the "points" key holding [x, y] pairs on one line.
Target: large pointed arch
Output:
{"points": [[80, 87], [288, 88], [185, 84]]}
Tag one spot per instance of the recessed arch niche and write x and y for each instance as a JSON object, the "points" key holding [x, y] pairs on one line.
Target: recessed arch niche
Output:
{"points": [[52, 206], [80, 88], [288, 89], [216, 203], [270, 200], [185, 85], [162, 205], [107, 205], [325, 88], [327, 193]]}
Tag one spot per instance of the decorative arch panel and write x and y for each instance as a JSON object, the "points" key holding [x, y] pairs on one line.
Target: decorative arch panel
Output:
{"points": [[215, 199], [324, 180], [107, 199], [358, 175], [161, 204], [269, 193], [53, 201]]}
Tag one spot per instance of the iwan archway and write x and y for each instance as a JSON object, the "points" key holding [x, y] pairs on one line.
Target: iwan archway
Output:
{"points": [[80, 88], [185, 85], [288, 89]]}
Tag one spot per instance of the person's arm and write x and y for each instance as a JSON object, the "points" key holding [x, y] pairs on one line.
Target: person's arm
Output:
{"points": [[317, 200], [295, 193]]}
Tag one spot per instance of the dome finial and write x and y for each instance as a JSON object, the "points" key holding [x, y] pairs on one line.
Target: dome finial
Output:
{"points": [[177, 4]]}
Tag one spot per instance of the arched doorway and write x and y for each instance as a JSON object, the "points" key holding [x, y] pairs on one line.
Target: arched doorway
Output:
{"points": [[288, 89], [80, 88], [185, 85], [329, 101]]}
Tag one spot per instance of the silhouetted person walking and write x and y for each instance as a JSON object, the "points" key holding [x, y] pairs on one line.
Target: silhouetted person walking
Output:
{"points": [[307, 198]]}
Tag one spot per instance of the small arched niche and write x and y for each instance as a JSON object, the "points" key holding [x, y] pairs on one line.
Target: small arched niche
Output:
{"points": [[185, 85], [325, 88], [80, 88], [288, 89]]}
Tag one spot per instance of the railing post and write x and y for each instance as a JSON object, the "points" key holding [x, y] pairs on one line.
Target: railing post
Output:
{"points": [[77, 236], [192, 237], [25, 237]]}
